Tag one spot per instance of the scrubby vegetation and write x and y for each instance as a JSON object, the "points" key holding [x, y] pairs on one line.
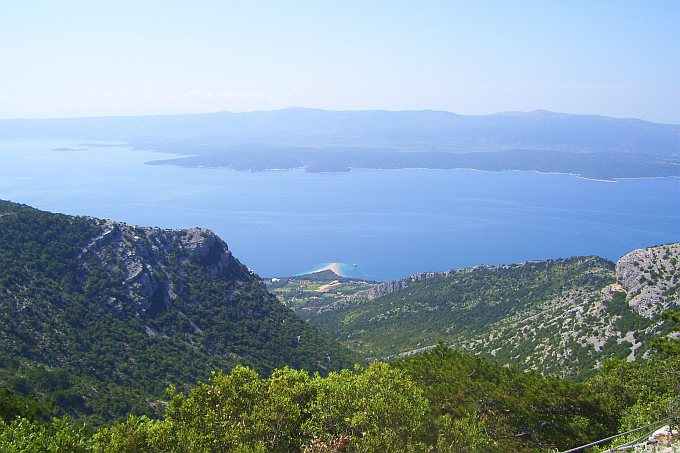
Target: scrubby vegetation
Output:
{"points": [[86, 322], [109, 335], [443, 401], [456, 304], [561, 317]]}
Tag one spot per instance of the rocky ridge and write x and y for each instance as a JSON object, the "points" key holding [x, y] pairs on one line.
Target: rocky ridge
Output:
{"points": [[102, 315], [581, 328], [385, 288], [650, 277], [140, 258], [561, 325]]}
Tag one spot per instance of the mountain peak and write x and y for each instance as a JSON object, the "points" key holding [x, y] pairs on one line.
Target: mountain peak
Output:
{"points": [[136, 308]]}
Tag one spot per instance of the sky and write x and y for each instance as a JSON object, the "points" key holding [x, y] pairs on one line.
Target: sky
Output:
{"points": [[90, 58]]}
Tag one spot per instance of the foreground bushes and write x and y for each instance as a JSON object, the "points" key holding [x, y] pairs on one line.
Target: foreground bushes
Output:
{"points": [[371, 409], [441, 401], [374, 409]]}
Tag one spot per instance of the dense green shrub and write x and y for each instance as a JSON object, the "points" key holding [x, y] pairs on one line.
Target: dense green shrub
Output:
{"points": [[442, 401]]}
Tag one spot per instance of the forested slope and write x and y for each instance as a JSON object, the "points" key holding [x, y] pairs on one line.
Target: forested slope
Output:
{"points": [[100, 316]]}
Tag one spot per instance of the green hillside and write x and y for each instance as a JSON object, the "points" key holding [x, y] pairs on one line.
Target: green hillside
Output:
{"points": [[98, 317], [142, 339], [560, 316]]}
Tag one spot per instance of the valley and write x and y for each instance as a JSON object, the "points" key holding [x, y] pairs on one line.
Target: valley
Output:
{"points": [[131, 330], [100, 319], [339, 227]]}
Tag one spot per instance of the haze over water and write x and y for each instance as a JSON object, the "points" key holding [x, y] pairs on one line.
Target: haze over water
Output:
{"points": [[389, 223]]}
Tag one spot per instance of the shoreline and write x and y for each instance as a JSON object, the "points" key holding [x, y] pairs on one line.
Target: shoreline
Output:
{"points": [[303, 169]]}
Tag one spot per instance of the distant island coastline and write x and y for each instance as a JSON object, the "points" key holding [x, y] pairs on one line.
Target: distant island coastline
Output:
{"points": [[595, 166], [318, 141]]}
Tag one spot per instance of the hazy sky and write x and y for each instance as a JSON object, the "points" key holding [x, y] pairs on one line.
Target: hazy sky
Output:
{"points": [[82, 58]]}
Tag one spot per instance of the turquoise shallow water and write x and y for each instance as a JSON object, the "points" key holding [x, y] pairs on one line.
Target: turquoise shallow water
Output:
{"points": [[388, 223], [350, 270]]}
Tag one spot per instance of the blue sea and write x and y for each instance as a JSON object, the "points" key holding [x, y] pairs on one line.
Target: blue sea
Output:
{"points": [[383, 224]]}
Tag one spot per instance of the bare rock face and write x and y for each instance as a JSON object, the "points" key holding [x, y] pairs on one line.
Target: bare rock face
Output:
{"points": [[144, 263], [384, 288], [651, 278]]}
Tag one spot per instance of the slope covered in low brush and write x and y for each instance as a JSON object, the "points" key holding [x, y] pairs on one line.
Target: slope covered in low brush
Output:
{"points": [[423, 310], [101, 316], [560, 316]]}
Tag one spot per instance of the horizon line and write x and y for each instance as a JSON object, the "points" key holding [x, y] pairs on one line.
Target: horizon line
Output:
{"points": [[330, 110]]}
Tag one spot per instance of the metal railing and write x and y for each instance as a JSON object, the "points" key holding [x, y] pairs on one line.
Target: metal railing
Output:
{"points": [[628, 444]]}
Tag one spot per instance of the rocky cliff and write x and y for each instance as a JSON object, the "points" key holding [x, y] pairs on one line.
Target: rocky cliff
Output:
{"points": [[106, 305], [385, 288], [650, 277], [575, 331], [148, 261]]}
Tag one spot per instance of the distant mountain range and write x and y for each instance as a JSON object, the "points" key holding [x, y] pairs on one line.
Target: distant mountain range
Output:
{"points": [[328, 141], [559, 317]]}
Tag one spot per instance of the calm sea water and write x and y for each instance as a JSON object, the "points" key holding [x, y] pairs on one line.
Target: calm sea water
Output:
{"points": [[388, 223]]}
